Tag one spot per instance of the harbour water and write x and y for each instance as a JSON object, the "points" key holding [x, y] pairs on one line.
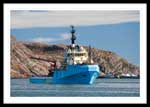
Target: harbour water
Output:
{"points": [[103, 87]]}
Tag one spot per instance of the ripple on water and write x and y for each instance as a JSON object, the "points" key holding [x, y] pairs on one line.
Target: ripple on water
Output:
{"points": [[101, 87]]}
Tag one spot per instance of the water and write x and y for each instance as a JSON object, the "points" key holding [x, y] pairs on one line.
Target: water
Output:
{"points": [[101, 87]]}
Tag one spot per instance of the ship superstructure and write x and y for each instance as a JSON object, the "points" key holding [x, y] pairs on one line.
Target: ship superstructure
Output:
{"points": [[75, 54]]}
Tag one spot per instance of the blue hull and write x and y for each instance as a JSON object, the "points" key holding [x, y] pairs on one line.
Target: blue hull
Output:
{"points": [[73, 74], [76, 74]]}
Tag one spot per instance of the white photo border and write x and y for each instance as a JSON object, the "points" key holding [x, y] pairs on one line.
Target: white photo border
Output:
{"points": [[143, 66]]}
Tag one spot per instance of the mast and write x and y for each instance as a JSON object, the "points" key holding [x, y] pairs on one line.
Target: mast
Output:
{"points": [[73, 37]]}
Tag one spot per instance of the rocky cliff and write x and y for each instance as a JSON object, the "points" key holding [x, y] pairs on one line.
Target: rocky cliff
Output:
{"points": [[25, 59]]}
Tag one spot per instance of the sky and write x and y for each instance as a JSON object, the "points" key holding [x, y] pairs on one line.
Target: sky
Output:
{"points": [[117, 31]]}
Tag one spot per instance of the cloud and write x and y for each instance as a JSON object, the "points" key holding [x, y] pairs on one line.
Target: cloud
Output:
{"points": [[29, 18], [61, 37], [42, 39]]}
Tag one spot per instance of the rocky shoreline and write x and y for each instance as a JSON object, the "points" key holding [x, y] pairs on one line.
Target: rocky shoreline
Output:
{"points": [[25, 60]]}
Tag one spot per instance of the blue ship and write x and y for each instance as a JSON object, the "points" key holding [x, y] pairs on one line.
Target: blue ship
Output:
{"points": [[76, 74], [78, 67]]}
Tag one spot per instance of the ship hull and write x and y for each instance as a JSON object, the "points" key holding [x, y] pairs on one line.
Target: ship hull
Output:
{"points": [[73, 74], [76, 74]]}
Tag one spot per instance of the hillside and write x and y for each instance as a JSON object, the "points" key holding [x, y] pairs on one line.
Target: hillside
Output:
{"points": [[25, 63]]}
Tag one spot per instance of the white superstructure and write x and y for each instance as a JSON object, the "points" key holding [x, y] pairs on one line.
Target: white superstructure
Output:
{"points": [[76, 54]]}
